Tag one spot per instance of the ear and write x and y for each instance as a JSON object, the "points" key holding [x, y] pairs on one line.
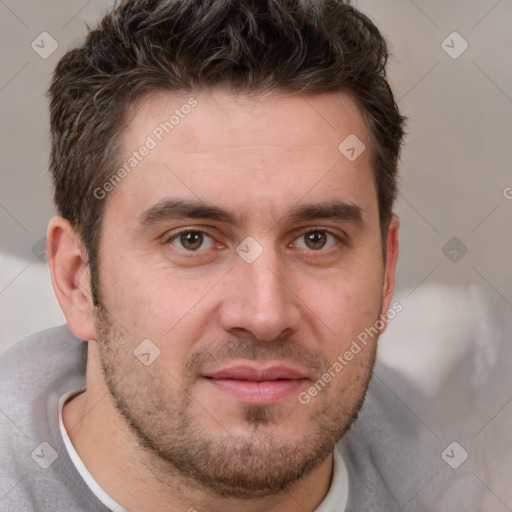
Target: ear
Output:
{"points": [[71, 280], [388, 286]]}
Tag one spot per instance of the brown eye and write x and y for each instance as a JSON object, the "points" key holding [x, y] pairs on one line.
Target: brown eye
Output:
{"points": [[192, 240], [316, 240]]}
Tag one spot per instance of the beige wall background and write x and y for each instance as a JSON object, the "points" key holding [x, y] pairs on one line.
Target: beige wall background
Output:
{"points": [[450, 70], [444, 363]]}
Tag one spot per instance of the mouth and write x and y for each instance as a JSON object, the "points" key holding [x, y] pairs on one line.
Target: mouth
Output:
{"points": [[257, 385]]}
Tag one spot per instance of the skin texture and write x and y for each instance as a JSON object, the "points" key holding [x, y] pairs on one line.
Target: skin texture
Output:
{"points": [[161, 436]]}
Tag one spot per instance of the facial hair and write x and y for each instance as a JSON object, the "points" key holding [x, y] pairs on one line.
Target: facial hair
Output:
{"points": [[166, 420]]}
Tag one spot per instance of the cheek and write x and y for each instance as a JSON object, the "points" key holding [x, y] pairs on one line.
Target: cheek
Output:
{"points": [[148, 294], [159, 305], [342, 308], [359, 303]]}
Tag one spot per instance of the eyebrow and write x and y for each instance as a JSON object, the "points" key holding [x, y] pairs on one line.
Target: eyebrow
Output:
{"points": [[336, 210], [169, 209]]}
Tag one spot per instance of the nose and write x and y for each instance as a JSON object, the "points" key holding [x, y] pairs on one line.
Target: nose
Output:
{"points": [[259, 299]]}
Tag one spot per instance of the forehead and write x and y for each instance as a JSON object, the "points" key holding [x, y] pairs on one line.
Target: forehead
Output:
{"points": [[265, 152], [219, 120]]}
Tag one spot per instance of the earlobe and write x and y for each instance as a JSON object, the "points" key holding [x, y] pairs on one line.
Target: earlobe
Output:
{"points": [[67, 259], [390, 270]]}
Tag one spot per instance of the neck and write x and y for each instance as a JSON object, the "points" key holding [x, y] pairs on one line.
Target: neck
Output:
{"points": [[139, 480]]}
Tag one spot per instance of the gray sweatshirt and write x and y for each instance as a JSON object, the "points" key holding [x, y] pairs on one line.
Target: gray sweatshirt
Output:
{"points": [[37, 473]]}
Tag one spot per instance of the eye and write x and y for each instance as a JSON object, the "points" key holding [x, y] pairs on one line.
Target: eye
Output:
{"points": [[316, 240], [192, 240]]}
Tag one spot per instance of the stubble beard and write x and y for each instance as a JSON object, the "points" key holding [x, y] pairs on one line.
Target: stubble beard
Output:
{"points": [[167, 425]]}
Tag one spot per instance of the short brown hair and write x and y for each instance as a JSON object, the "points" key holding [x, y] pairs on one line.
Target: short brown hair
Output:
{"points": [[245, 46]]}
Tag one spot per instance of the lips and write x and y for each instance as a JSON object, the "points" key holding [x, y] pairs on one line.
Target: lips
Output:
{"points": [[263, 385], [255, 374]]}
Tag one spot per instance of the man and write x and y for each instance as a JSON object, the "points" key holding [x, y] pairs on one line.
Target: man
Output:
{"points": [[225, 174]]}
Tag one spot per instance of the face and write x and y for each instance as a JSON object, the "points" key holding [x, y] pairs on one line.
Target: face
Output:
{"points": [[240, 258]]}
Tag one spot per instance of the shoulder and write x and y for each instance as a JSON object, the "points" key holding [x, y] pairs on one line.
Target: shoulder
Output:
{"points": [[36, 372], [366, 450], [38, 345], [36, 367], [36, 362]]}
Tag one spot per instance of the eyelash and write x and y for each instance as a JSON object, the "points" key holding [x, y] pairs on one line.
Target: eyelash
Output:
{"points": [[339, 239]]}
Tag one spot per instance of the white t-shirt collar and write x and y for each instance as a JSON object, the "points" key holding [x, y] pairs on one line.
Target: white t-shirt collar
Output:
{"points": [[335, 500]]}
